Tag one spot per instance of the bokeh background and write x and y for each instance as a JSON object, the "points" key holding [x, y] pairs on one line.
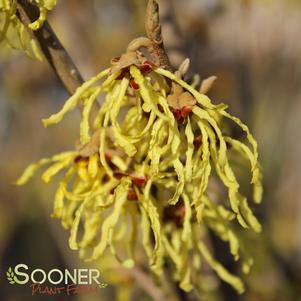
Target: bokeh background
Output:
{"points": [[254, 48]]}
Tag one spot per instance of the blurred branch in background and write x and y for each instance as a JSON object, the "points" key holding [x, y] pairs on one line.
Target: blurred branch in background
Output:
{"points": [[173, 39]]}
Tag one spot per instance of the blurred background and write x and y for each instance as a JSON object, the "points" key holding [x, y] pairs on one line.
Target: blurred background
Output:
{"points": [[252, 46]]}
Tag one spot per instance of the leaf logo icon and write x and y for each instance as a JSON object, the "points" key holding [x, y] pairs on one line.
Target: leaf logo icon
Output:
{"points": [[103, 285], [10, 276]]}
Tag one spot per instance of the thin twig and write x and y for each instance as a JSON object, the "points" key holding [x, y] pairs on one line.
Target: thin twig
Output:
{"points": [[153, 31], [52, 48]]}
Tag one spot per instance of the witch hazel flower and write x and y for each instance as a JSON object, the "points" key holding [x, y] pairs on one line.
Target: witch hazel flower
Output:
{"points": [[167, 144]]}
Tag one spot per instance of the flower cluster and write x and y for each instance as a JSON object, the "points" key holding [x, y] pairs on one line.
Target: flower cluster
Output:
{"points": [[143, 175], [14, 32]]}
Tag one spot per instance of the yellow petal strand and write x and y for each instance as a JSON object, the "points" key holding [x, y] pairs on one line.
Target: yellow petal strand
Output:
{"points": [[49, 4], [82, 172], [121, 193], [203, 115], [249, 216], [120, 139], [91, 227], [256, 169], [5, 27], [55, 168], [153, 215], [36, 50], [179, 168], [85, 125], [189, 152], [227, 176], [102, 150], [120, 235], [147, 92], [32, 168], [250, 137], [74, 228], [30, 171], [58, 206], [187, 231], [93, 165], [224, 274], [107, 104], [4, 5], [117, 103], [180, 258], [185, 283], [58, 202], [201, 98], [120, 163], [37, 24], [132, 245], [155, 147], [71, 103], [146, 233], [202, 171], [175, 257], [218, 219]]}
